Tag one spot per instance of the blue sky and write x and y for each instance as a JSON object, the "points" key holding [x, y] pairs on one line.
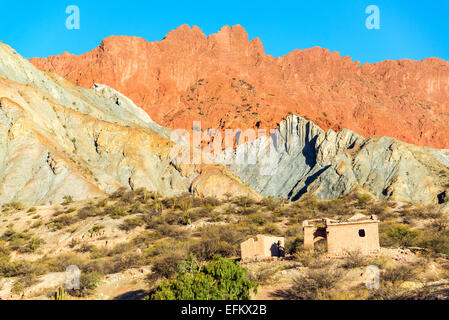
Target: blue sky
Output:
{"points": [[413, 29]]}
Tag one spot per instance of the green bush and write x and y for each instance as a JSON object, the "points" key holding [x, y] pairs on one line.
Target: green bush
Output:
{"points": [[89, 281], [437, 242], [221, 279], [401, 235]]}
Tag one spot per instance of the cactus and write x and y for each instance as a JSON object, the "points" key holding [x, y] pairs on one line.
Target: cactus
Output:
{"points": [[60, 294]]}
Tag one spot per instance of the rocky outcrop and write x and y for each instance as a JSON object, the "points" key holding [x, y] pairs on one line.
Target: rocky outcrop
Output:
{"points": [[302, 158], [57, 139], [227, 81]]}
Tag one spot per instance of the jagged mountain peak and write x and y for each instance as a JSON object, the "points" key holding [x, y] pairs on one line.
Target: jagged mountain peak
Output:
{"points": [[405, 99]]}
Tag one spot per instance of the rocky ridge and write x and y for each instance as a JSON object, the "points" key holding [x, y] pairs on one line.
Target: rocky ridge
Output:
{"points": [[227, 81], [57, 139], [302, 158]]}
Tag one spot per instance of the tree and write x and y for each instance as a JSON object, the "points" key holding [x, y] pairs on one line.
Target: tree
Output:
{"points": [[403, 236], [220, 279]]}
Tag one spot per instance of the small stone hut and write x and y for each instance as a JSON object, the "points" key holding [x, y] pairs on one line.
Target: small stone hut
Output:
{"points": [[263, 247], [359, 233]]}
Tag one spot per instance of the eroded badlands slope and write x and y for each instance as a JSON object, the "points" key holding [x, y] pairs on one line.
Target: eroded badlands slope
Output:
{"points": [[57, 139]]}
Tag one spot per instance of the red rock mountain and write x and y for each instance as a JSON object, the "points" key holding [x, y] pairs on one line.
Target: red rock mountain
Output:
{"points": [[227, 81]]}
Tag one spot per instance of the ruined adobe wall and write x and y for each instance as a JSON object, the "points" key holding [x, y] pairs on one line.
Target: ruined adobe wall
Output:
{"points": [[345, 237], [263, 247]]}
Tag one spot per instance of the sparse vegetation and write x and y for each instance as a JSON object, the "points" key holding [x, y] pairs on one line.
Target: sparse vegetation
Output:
{"points": [[220, 279], [162, 232]]}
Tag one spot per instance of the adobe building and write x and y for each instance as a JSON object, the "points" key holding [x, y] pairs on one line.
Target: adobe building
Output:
{"points": [[359, 233], [263, 247]]}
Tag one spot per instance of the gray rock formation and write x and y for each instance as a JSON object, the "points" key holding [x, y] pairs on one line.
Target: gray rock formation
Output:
{"points": [[301, 158]]}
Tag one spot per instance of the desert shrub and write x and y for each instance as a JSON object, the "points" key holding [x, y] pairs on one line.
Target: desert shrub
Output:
{"points": [[216, 217], [120, 249], [285, 211], [332, 207], [126, 261], [398, 275], [143, 195], [102, 266], [304, 257], [61, 222], [211, 202], [244, 204], [175, 232], [270, 203], [272, 229], [294, 245], [102, 203], [4, 250], [316, 284], [128, 197], [295, 230], [135, 208], [89, 281], [207, 249], [21, 242], [115, 211], [380, 210], [10, 269], [401, 235], [32, 210], [31, 246], [147, 238], [24, 282], [256, 219], [223, 241], [118, 193], [61, 262], [96, 252], [165, 266], [428, 212], [440, 224], [262, 275], [164, 246], [172, 218], [18, 288], [170, 203], [437, 242], [381, 261], [311, 258], [130, 224], [95, 229], [68, 199], [220, 279], [155, 207], [12, 207], [354, 259]]}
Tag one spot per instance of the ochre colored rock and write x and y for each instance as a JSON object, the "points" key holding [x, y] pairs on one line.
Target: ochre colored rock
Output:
{"points": [[227, 81]]}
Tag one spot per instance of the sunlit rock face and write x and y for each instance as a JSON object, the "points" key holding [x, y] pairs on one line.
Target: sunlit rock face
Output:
{"points": [[57, 139], [301, 158], [227, 81]]}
